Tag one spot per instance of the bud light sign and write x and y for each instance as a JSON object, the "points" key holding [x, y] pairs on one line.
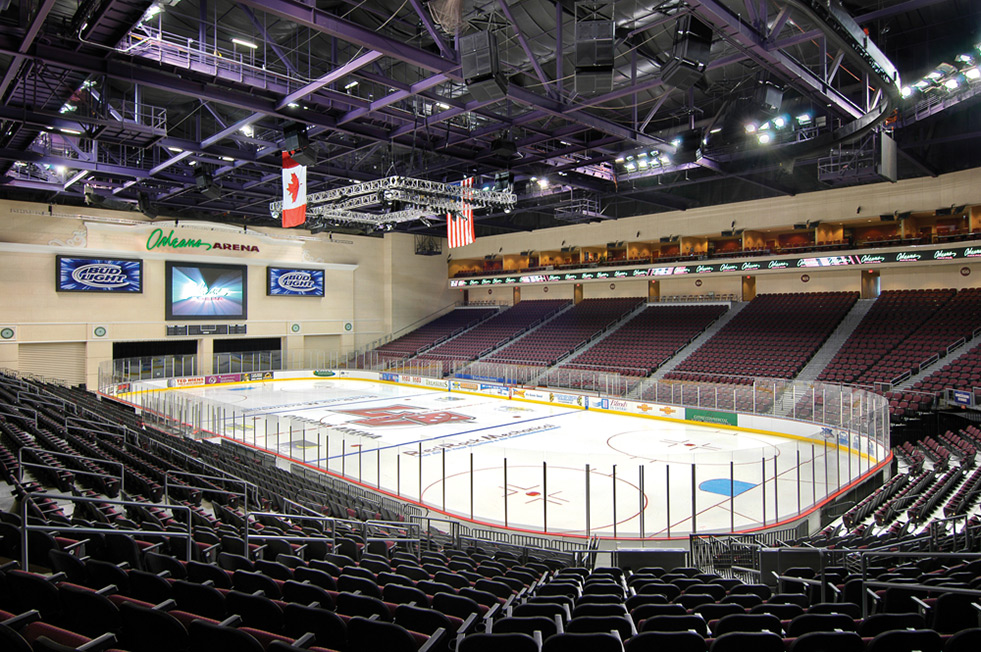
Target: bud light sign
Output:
{"points": [[281, 281], [99, 275]]}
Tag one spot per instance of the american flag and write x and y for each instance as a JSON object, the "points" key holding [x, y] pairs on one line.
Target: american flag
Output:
{"points": [[459, 229]]}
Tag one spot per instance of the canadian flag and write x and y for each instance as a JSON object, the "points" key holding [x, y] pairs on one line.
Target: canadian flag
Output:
{"points": [[294, 192], [459, 230]]}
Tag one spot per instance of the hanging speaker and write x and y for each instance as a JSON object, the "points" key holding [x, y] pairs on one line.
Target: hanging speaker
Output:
{"points": [[145, 206], [594, 56], [481, 66], [769, 97], [206, 184], [690, 54], [689, 147], [295, 137], [306, 156]]}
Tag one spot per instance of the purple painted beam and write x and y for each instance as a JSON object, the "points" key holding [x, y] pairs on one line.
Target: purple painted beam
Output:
{"points": [[569, 112], [722, 18], [392, 98], [303, 14], [506, 10], [154, 76], [427, 22], [25, 44], [278, 51], [331, 77]]}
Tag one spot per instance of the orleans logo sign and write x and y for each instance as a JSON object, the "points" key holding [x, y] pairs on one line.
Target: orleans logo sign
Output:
{"points": [[160, 240]]}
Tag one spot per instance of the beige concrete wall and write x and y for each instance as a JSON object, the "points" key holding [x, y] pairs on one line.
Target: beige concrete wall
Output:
{"points": [[375, 285]]}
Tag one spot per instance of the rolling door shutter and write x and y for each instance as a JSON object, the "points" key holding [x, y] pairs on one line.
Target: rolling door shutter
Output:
{"points": [[59, 360]]}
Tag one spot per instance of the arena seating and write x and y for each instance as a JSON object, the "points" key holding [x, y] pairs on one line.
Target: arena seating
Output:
{"points": [[495, 332], [963, 373], [774, 336], [891, 319], [564, 334], [647, 341], [957, 318], [434, 332], [357, 584]]}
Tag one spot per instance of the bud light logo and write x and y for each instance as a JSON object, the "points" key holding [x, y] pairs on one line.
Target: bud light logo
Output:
{"points": [[295, 282], [93, 275], [100, 276]]}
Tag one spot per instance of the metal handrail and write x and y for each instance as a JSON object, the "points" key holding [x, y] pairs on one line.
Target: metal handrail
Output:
{"points": [[26, 526], [22, 463]]}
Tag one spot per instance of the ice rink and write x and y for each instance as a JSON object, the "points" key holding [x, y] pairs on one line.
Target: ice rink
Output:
{"points": [[533, 466]]}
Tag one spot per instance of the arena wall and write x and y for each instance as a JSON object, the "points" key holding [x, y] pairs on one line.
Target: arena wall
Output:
{"points": [[377, 285]]}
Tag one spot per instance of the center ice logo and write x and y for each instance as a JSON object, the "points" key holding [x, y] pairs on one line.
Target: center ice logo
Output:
{"points": [[403, 415]]}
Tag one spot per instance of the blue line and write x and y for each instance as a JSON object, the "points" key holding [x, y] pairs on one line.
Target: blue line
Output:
{"points": [[456, 434]]}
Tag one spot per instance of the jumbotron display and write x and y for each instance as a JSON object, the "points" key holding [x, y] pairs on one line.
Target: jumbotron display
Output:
{"points": [[294, 282], [206, 291]]}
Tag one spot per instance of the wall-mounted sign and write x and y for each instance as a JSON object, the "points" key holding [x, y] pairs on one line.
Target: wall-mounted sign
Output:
{"points": [[160, 239], [99, 274], [290, 281]]}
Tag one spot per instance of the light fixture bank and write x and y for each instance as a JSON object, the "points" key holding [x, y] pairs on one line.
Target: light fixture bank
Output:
{"points": [[393, 200]]}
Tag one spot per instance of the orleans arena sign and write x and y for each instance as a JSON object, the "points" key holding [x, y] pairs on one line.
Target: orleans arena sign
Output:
{"points": [[159, 239]]}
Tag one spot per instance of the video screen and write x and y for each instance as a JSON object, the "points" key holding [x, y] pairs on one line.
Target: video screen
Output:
{"points": [[99, 274], [294, 282], [206, 291]]}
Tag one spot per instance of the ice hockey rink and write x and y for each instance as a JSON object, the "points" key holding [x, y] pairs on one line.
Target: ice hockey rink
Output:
{"points": [[532, 466]]}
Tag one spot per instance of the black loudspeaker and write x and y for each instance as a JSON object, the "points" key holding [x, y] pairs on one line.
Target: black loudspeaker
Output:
{"points": [[504, 148], [693, 40], [294, 137], [769, 98], [306, 156], [887, 218], [145, 206], [594, 56], [680, 74], [482, 66], [690, 54], [689, 148], [206, 185]]}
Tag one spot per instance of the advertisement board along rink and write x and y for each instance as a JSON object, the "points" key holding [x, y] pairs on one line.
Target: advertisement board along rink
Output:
{"points": [[538, 460]]}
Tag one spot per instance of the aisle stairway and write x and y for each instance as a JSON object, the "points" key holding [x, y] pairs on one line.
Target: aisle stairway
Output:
{"points": [[696, 343], [838, 338], [734, 309]]}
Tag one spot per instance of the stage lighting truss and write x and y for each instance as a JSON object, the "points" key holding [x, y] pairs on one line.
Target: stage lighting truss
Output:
{"points": [[394, 200]]}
